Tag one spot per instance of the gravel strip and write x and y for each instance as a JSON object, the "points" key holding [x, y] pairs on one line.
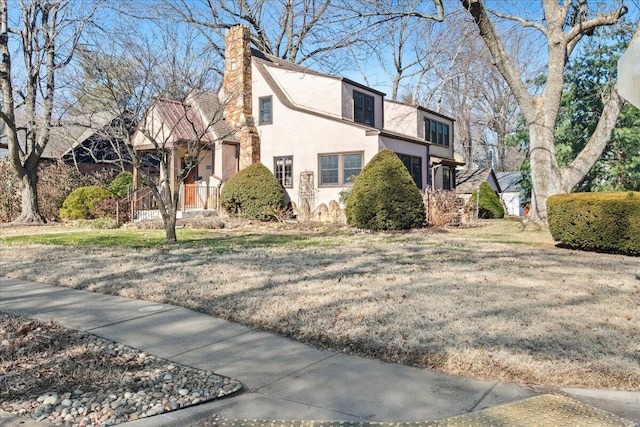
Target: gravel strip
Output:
{"points": [[73, 378]]}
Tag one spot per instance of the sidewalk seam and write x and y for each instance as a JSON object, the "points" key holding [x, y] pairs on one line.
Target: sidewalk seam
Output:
{"points": [[130, 319], [486, 393], [209, 344], [293, 373]]}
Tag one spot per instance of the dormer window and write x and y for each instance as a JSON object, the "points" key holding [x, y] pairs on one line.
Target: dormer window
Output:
{"points": [[363, 110]]}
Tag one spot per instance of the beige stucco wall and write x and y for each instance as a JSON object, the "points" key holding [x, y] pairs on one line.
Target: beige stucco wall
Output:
{"points": [[402, 119], [304, 136], [317, 93]]}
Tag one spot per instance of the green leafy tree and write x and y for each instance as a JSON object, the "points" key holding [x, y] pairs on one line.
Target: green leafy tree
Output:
{"points": [[385, 197], [587, 79]]}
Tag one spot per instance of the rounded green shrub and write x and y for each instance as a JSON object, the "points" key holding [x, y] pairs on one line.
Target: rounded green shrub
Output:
{"points": [[607, 222], [122, 185], [253, 193], [490, 204], [81, 203], [385, 197]]}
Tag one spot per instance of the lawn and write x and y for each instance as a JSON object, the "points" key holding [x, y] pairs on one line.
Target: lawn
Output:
{"points": [[498, 302]]}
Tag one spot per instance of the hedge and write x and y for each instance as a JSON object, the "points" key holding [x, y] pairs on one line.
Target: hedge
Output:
{"points": [[253, 193], [385, 197], [604, 222]]}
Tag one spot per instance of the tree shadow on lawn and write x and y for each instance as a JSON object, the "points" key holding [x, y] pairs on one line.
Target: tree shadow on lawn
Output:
{"points": [[384, 334]]}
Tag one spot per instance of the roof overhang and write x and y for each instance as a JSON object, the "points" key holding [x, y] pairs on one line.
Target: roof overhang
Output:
{"points": [[445, 162]]}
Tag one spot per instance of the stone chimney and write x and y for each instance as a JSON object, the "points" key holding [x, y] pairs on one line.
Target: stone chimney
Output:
{"points": [[237, 94]]}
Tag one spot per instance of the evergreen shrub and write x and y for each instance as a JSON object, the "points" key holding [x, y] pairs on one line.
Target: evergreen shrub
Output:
{"points": [[607, 222], [385, 197], [121, 185], [490, 204], [253, 193], [81, 203]]}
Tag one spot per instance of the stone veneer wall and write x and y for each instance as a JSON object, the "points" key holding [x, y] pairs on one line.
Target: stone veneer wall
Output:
{"points": [[237, 89]]}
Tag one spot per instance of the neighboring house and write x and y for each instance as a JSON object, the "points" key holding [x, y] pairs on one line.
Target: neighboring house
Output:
{"points": [[82, 141], [469, 180], [510, 183], [316, 131]]}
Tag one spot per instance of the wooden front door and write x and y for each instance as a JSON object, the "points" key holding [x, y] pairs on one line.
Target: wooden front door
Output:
{"points": [[190, 186]]}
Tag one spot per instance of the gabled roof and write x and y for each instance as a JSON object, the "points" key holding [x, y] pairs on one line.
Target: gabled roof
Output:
{"points": [[510, 181], [212, 111], [274, 61], [198, 118], [469, 180], [67, 134], [73, 131], [182, 120]]}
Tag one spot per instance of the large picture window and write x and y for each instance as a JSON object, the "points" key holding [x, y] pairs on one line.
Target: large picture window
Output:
{"points": [[266, 110], [414, 166], [363, 108], [339, 169], [283, 170], [436, 132]]}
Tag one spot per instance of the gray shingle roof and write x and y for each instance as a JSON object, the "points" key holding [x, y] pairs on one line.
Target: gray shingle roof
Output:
{"points": [[510, 181], [469, 180]]}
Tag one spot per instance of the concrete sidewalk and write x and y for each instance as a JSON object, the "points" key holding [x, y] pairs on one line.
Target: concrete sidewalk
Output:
{"points": [[283, 379]]}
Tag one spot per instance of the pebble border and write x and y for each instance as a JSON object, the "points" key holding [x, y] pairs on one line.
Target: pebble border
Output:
{"points": [[163, 386]]}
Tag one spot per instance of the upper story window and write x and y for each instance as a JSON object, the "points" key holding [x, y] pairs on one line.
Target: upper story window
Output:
{"points": [[436, 132], [340, 168], [363, 108], [266, 110]]}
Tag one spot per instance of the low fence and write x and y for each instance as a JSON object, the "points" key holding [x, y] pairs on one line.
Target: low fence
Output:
{"points": [[142, 203]]}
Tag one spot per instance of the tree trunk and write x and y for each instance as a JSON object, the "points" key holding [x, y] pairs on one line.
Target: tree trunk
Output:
{"points": [[545, 172], [30, 211], [170, 228]]}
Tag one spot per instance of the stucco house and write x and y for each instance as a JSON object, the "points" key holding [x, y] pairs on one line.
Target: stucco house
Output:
{"points": [[316, 131]]}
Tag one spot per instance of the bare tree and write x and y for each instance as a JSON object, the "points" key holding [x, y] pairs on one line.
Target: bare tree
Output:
{"points": [[131, 79], [562, 25], [300, 31], [46, 36]]}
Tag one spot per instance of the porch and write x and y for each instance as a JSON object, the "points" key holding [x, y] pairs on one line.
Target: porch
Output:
{"points": [[193, 199]]}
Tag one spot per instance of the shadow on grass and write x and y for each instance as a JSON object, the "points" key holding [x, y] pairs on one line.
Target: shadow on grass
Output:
{"points": [[156, 239]]}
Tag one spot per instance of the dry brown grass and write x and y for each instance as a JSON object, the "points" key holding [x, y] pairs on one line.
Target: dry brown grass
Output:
{"points": [[497, 302]]}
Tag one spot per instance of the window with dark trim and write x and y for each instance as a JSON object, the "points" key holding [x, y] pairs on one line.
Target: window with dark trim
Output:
{"points": [[266, 110], [446, 178], [339, 169], [283, 170], [436, 132], [363, 108], [414, 166]]}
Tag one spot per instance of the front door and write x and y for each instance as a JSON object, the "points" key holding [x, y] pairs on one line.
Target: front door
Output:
{"points": [[190, 186]]}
